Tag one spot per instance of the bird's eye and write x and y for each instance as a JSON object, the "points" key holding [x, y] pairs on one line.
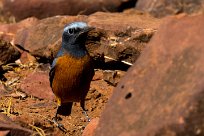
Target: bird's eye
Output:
{"points": [[70, 31], [77, 29]]}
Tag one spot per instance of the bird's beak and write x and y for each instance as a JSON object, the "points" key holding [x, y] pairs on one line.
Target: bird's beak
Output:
{"points": [[86, 30]]}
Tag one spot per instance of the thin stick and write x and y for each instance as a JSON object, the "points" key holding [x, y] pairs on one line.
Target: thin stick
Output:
{"points": [[125, 62], [39, 130]]}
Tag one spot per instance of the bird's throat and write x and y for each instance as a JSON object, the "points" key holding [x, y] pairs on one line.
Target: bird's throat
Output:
{"points": [[77, 51]]}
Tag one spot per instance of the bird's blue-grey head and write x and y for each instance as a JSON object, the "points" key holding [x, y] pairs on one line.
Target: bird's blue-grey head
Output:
{"points": [[74, 38]]}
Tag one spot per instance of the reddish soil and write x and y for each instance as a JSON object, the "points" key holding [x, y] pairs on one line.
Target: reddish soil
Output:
{"points": [[35, 114]]}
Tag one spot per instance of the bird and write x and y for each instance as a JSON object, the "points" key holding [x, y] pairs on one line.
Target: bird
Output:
{"points": [[71, 70]]}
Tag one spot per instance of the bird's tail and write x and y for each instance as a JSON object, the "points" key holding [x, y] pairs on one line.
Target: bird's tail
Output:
{"points": [[65, 109]]}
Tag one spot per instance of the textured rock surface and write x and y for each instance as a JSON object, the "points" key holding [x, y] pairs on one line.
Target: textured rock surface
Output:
{"points": [[44, 39], [2, 89], [7, 127], [113, 76], [119, 36], [41, 9], [8, 31], [36, 114], [37, 84], [162, 94], [161, 8], [8, 53], [89, 130], [124, 34]]}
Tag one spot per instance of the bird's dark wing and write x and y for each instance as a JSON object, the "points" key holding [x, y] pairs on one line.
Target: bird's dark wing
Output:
{"points": [[52, 72]]}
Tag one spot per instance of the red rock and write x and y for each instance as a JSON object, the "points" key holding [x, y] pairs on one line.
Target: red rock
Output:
{"points": [[9, 127], [89, 130], [8, 53], [26, 58], [44, 39], [98, 75], [2, 90], [4, 133], [112, 76], [124, 35], [161, 8], [162, 93], [119, 36], [8, 31], [123, 21], [37, 84], [41, 9], [6, 36]]}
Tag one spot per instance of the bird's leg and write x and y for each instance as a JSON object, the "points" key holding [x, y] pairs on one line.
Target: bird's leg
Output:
{"points": [[85, 113], [85, 110], [55, 121]]}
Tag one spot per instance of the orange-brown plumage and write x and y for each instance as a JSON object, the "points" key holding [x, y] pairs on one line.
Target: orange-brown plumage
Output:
{"points": [[73, 78]]}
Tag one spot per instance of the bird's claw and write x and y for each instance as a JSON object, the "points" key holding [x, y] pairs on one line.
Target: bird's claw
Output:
{"points": [[60, 126], [85, 113]]}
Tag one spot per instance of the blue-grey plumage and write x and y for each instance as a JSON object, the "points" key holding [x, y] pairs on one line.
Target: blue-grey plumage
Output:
{"points": [[72, 70], [73, 40]]}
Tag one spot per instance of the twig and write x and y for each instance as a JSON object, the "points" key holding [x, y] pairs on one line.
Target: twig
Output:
{"points": [[9, 107], [39, 130], [125, 62]]}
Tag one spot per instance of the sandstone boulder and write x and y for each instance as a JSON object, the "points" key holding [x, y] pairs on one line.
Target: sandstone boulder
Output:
{"points": [[7, 127], [117, 36], [22, 9], [89, 130], [8, 31], [8, 53], [37, 84], [162, 94], [161, 8]]}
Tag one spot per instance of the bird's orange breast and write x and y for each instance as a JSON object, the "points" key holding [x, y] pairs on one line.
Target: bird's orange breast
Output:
{"points": [[71, 78]]}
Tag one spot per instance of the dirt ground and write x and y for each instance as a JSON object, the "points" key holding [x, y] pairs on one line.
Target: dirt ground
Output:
{"points": [[36, 114]]}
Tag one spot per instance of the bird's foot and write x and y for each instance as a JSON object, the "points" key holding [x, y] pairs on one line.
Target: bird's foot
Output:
{"points": [[60, 126], [86, 115], [85, 111]]}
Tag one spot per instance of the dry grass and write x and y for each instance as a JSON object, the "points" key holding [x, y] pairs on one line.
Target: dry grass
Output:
{"points": [[39, 130], [6, 106]]}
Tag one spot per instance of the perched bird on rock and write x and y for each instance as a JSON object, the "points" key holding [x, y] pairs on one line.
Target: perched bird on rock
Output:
{"points": [[72, 70]]}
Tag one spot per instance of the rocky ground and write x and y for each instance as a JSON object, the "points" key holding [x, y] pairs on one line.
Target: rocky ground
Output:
{"points": [[35, 113], [148, 67]]}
